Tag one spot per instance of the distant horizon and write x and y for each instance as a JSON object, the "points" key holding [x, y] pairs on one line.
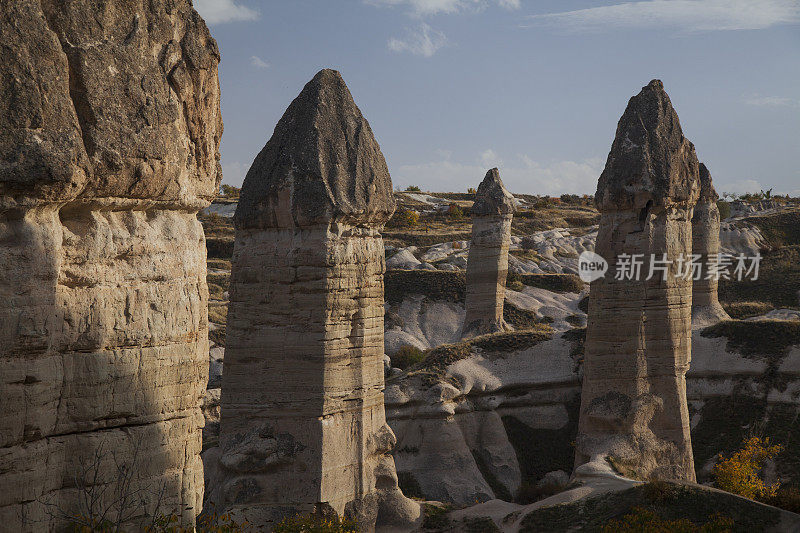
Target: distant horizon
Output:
{"points": [[452, 88]]}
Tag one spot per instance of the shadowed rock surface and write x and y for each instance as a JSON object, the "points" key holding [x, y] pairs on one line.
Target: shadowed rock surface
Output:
{"points": [[109, 135], [706, 309], [638, 344], [487, 265], [302, 418]]}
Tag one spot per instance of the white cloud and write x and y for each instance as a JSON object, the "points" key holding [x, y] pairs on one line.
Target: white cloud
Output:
{"points": [[221, 11], [525, 175], [257, 62], [509, 4], [423, 41], [773, 101], [422, 8], [738, 187], [233, 172], [688, 15], [488, 158]]}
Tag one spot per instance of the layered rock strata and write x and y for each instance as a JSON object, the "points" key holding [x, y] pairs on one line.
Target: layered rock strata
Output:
{"points": [[638, 344], [706, 309], [108, 148], [487, 265], [302, 420]]}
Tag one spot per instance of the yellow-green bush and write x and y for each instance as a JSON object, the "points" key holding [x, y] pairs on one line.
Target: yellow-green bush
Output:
{"points": [[641, 520], [407, 356], [740, 473], [316, 524], [404, 218]]}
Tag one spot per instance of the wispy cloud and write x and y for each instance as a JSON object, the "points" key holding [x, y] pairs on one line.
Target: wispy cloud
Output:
{"points": [[221, 11], [488, 158], [509, 4], [422, 41], [233, 172], [257, 62], [422, 8], [522, 175], [773, 101], [738, 187], [686, 15]]}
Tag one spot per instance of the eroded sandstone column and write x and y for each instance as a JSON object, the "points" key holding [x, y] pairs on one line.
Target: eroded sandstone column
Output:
{"points": [[109, 135], [706, 309], [487, 266], [302, 420], [634, 415]]}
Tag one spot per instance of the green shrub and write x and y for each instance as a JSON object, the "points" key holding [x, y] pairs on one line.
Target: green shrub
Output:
{"points": [[407, 356], [770, 337], [404, 218], [641, 520], [229, 191], [455, 212], [221, 264], [742, 310], [216, 292], [413, 188], [217, 336], [218, 314], [787, 498], [724, 209], [316, 524], [435, 517], [552, 282]]}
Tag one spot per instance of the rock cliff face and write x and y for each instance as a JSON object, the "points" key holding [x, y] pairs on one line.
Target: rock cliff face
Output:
{"points": [[487, 265], [706, 309], [302, 417], [108, 147], [638, 345]]}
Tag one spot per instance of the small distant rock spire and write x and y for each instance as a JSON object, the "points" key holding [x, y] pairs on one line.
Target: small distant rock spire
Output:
{"points": [[706, 309], [487, 265]]}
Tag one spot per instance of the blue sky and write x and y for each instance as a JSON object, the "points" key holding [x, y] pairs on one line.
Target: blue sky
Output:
{"points": [[454, 87]]}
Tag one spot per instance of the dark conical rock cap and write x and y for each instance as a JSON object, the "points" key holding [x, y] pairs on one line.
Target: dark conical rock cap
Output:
{"points": [[707, 192], [321, 164], [492, 197], [650, 158]]}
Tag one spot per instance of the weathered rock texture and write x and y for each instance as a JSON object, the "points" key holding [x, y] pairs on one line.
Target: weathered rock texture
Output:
{"points": [[638, 344], [706, 309], [109, 134], [487, 265], [302, 419]]}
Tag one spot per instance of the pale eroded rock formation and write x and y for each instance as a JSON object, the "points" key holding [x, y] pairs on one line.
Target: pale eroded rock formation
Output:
{"points": [[110, 127], [487, 265], [302, 419], [638, 344], [706, 309]]}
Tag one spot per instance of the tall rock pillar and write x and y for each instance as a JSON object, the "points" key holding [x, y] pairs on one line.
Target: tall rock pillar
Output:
{"points": [[302, 420], [634, 416], [109, 135], [706, 309], [487, 265]]}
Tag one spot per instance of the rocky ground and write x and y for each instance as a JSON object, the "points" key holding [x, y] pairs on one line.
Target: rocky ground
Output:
{"points": [[496, 417]]}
